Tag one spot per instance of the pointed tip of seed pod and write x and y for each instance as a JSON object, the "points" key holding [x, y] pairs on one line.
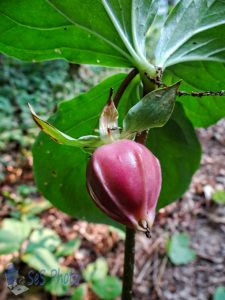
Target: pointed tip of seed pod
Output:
{"points": [[148, 233], [145, 227]]}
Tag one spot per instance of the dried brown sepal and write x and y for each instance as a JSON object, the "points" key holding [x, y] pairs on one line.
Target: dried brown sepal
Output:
{"points": [[108, 124]]}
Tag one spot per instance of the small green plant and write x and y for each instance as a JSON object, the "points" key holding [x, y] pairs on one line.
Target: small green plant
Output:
{"points": [[219, 197], [219, 293], [38, 247], [29, 242], [21, 203], [104, 286], [178, 249]]}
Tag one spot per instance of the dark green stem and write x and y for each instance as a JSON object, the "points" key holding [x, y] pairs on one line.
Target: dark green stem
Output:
{"points": [[130, 233], [128, 264]]}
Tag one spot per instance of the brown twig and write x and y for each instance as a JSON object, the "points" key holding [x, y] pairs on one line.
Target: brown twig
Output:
{"points": [[158, 82], [160, 276], [124, 85], [150, 252], [200, 94]]}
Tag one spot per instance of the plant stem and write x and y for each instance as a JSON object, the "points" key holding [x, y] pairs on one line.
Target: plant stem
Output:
{"points": [[130, 244], [124, 85], [130, 233], [128, 264]]}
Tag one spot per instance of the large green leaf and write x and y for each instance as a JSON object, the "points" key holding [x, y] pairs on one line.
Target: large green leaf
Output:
{"points": [[192, 47], [194, 31], [200, 76], [60, 170], [101, 32], [177, 147]]}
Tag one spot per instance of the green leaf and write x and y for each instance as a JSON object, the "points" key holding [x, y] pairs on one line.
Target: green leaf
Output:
{"points": [[25, 190], [43, 238], [154, 110], [8, 242], [200, 76], [60, 171], [22, 228], [12, 234], [41, 259], [219, 197], [96, 270], [194, 31], [178, 249], [178, 150], [80, 293], [108, 288], [34, 208], [104, 32], [68, 248], [85, 142], [219, 293], [34, 222]]}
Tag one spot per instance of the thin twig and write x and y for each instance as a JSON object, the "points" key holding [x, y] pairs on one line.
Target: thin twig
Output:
{"points": [[157, 81], [145, 266], [201, 94], [124, 85], [160, 276]]}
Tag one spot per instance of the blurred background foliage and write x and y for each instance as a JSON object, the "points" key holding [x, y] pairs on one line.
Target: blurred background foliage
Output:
{"points": [[43, 85]]}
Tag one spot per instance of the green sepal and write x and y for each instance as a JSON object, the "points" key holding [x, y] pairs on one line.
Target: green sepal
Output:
{"points": [[154, 110], [87, 143]]}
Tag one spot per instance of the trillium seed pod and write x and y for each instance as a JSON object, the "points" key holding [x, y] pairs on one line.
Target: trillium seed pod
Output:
{"points": [[124, 180]]}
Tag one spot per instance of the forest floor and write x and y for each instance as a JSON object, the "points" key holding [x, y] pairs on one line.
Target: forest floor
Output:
{"points": [[155, 276]]}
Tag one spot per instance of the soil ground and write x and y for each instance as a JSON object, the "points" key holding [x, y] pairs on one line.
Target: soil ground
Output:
{"points": [[155, 276]]}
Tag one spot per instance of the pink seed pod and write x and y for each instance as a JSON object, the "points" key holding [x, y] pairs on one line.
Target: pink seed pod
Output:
{"points": [[124, 180]]}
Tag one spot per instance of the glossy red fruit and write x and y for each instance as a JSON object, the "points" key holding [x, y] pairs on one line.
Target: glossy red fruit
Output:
{"points": [[124, 180]]}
